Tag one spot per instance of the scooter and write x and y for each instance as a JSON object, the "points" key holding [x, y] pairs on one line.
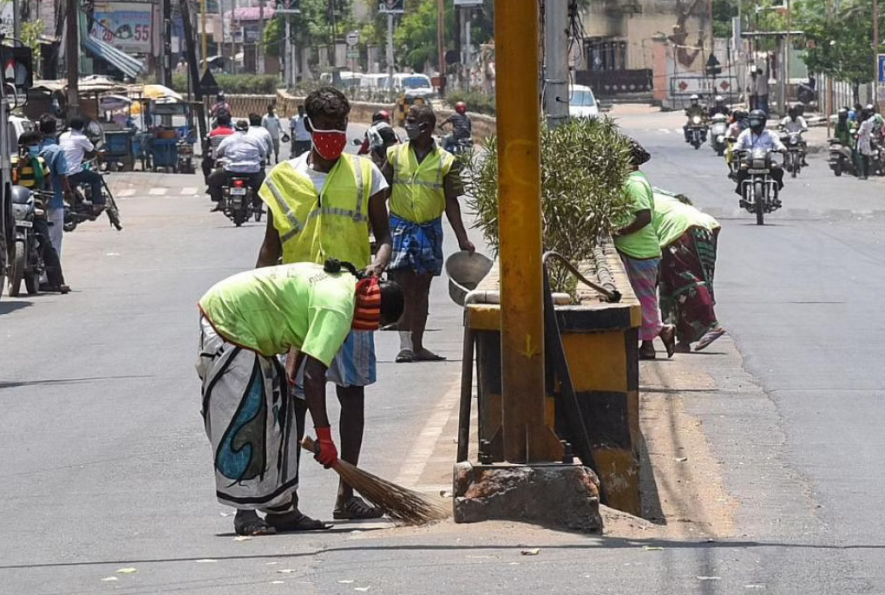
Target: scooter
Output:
{"points": [[718, 130], [27, 264], [795, 152]]}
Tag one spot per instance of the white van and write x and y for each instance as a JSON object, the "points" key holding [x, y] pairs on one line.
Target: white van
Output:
{"points": [[374, 82], [582, 102], [414, 85]]}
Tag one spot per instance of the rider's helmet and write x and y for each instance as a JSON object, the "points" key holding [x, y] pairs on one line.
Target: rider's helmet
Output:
{"points": [[793, 111], [381, 116], [461, 107], [719, 100], [757, 120], [694, 99], [220, 97], [871, 108], [843, 115], [738, 115]]}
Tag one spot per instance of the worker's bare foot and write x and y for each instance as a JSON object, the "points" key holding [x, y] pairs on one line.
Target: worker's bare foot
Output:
{"points": [[247, 522], [290, 522], [425, 355]]}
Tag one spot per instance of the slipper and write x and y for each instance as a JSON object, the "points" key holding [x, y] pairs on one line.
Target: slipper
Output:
{"points": [[295, 522], [253, 527], [668, 336], [428, 356], [682, 347], [707, 339], [647, 354], [356, 509], [405, 356]]}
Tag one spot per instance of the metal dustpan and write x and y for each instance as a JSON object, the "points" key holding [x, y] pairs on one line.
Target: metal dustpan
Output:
{"points": [[465, 271]]}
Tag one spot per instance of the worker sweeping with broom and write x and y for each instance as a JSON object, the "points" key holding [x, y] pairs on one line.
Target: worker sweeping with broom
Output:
{"points": [[253, 422]]}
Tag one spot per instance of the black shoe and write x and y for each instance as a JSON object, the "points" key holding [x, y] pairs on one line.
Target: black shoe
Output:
{"points": [[216, 208]]}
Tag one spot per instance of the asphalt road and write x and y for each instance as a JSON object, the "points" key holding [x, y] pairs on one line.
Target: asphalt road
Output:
{"points": [[105, 465]]}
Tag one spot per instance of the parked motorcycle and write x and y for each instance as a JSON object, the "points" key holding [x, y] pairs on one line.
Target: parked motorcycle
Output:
{"points": [[81, 208], [795, 152], [697, 132], [759, 192], [240, 201], [27, 264], [840, 158], [718, 130]]}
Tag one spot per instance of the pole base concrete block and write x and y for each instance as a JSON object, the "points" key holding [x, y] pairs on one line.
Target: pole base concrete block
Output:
{"points": [[555, 495]]}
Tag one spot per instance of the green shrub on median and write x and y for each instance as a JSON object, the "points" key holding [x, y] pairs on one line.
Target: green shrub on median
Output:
{"points": [[583, 167]]}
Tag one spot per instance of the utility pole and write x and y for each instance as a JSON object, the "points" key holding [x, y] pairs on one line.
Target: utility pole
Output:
{"points": [[458, 48], [72, 56], [192, 64], [16, 23], [556, 96], [390, 50], [166, 45], [259, 47], [287, 55], [204, 40], [441, 42], [830, 96], [875, 98], [467, 41]]}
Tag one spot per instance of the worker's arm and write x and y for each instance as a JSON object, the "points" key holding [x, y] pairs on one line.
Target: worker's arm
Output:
{"points": [[271, 248], [315, 395], [642, 219], [380, 222], [454, 188]]}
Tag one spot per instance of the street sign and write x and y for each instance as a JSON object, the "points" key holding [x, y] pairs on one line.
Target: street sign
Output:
{"points": [[882, 68], [352, 38], [353, 54], [288, 7], [391, 7], [468, 3], [208, 83]]}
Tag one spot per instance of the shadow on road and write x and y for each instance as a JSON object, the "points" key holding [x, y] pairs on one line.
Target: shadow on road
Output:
{"points": [[61, 381], [7, 306]]}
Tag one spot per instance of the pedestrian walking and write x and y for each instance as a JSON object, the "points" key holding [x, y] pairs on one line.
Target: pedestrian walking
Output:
{"points": [[253, 421], [638, 247], [320, 206], [299, 134], [762, 88], [688, 240], [753, 89], [426, 182], [272, 124], [865, 143]]}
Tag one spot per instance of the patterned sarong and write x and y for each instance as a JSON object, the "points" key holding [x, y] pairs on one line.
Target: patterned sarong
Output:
{"points": [[643, 275], [686, 288], [254, 425], [417, 246]]}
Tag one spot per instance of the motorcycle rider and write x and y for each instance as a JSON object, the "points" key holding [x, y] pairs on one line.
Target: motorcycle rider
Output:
{"points": [[758, 137], [242, 155], [738, 124], [380, 119], [462, 127], [30, 171], [262, 134], [222, 130], [695, 109], [76, 146], [878, 121], [221, 105], [719, 107], [792, 123]]}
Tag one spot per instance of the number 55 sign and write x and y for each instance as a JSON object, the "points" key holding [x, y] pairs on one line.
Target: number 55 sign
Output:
{"points": [[126, 25]]}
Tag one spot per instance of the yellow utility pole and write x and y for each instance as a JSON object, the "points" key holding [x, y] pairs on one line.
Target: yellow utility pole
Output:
{"points": [[526, 438]]}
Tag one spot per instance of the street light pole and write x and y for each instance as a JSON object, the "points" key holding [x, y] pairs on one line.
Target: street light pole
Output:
{"points": [[875, 98]]}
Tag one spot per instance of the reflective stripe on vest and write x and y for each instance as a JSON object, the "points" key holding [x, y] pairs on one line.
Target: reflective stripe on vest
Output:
{"points": [[418, 193], [298, 210]]}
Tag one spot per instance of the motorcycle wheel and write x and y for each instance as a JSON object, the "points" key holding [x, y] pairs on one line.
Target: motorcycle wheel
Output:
{"points": [[759, 193], [837, 170], [240, 217], [257, 215], [113, 213], [32, 283], [17, 271]]}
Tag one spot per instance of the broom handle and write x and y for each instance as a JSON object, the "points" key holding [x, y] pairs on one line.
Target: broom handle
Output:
{"points": [[308, 444]]}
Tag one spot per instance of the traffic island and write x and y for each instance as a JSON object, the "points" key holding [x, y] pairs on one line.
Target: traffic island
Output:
{"points": [[556, 495]]}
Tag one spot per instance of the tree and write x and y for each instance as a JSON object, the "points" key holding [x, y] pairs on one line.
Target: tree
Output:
{"points": [[840, 45], [275, 37]]}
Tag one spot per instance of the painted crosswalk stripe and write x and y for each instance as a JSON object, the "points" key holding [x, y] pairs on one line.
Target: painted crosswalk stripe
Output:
{"points": [[126, 192], [189, 191], [158, 191], [664, 130]]}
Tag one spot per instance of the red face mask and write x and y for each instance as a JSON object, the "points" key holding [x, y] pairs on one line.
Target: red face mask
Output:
{"points": [[328, 143]]}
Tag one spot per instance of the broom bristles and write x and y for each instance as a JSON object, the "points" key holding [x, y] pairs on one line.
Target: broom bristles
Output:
{"points": [[399, 503]]}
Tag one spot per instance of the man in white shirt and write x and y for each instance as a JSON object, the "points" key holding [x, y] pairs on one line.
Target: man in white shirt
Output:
{"points": [[272, 124], [261, 134], [300, 135], [794, 123], [242, 155], [76, 147], [758, 137]]}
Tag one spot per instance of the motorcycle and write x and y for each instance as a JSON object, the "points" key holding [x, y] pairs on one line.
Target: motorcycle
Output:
{"points": [[718, 130], [460, 147], [80, 209], [840, 158], [795, 152], [759, 192], [239, 201], [697, 132], [27, 263]]}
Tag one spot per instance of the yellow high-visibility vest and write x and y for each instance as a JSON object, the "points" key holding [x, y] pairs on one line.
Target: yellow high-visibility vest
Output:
{"points": [[418, 194], [333, 224]]}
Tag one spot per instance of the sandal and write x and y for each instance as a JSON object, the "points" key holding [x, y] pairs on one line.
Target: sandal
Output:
{"points": [[647, 352], [428, 356], [708, 338], [668, 336], [356, 509], [293, 522], [405, 356], [252, 526]]}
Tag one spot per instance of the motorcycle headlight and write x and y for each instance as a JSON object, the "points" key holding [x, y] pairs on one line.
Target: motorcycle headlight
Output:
{"points": [[696, 120], [759, 164], [20, 211]]}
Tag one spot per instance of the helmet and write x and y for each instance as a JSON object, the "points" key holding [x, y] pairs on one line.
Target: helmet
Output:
{"points": [[694, 99], [871, 108], [20, 195], [757, 120], [793, 111], [719, 99], [843, 114], [461, 107], [381, 116], [220, 96]]}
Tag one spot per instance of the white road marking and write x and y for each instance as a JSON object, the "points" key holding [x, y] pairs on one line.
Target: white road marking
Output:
{"points": [[126, 192], [189, 191], [424, 445], [158, 191], [664, 130]]}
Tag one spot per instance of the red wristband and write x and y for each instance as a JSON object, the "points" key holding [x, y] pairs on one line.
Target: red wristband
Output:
{"points": [[324, 432]]}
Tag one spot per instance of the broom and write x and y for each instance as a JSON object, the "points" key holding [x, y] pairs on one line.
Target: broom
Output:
{"points": [[399, 503]]}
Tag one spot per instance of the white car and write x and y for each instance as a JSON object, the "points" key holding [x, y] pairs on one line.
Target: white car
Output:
{"points": [[582, 103], [414, 85]]}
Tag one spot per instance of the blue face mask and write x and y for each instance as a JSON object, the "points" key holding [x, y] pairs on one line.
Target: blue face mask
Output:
{"points": [[34, 150]]}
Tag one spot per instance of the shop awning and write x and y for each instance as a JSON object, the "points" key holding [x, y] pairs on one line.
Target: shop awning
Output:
{"points": [[119, 60]]}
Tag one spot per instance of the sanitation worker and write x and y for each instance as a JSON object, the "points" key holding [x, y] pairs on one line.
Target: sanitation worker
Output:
{"points": [[253, 421]]}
